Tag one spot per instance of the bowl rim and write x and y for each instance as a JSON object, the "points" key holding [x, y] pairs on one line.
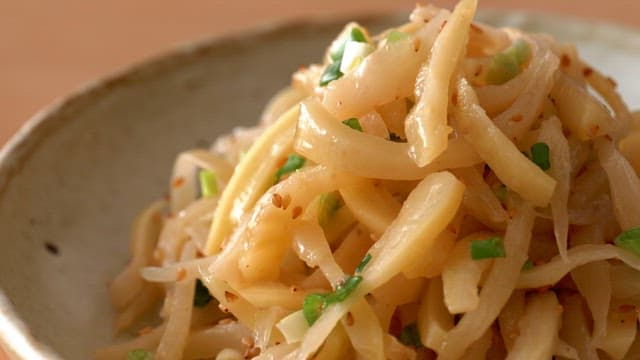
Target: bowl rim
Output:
{"points": [[15, 337]]}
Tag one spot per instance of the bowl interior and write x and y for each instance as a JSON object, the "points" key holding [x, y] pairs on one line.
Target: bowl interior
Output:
{"points": [[76, 178]]}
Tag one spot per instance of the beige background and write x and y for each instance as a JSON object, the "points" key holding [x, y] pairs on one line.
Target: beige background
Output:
{"points": [[48, 48]]}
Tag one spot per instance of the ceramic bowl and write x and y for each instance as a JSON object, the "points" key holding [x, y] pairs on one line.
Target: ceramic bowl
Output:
{"points": [[75, 175]]}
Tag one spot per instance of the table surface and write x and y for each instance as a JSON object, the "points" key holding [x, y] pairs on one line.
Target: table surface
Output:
{"points": [[50, 48]]}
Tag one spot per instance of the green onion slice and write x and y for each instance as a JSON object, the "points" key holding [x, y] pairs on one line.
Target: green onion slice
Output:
{"points": [[356, 34], [328, 205], [506, 64], [487, 249], [410, 336], [294, 162], [353, 123], [629, 240], [528, 265], [501, 191], [395, 36], [344, 290], [540, 155], [208, 183], [312, 307], [139, 354], [314, 304], [201, 295], [363, 264], [332, 72]]}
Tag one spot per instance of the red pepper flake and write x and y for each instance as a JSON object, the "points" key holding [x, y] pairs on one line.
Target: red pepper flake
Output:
{"points": [[281, 162], [517, 118], [177, 182], [286, 200], [223, 308], [293, 289], [349, 319], [444, 23], [593, 130], [276, 200], [478, 70], [416, 45], [565, 60], [297, 211], [587, 71], [454, 98]]}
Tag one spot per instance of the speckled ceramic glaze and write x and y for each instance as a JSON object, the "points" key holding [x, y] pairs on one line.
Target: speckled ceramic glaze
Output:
{"points": [[76, 174]]}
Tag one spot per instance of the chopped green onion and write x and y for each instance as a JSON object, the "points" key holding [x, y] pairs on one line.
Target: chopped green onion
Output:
{"points": [[629, 240], [358, 35], [487, 249], [519, 51], [354, 35], [208, 183], [314, 304], [540, 155], [201, 295], [353, 123], [506, 64], [501, 192], [332, 72], [363, 263], [294, 162], [344, 290], [396, 138], [410, 336], [139, 354], [328, 204], [395, 36], [528, 265], [312, 307]]}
